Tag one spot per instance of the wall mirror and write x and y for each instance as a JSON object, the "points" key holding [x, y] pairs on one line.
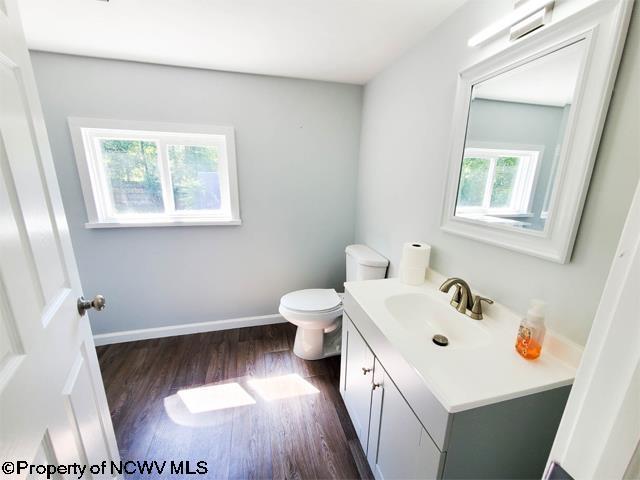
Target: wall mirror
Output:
{"points": [[517, 124], [526, 128]]}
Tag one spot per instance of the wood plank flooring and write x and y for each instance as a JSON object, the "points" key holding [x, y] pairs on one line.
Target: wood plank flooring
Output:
{"points": [[306, 434]]}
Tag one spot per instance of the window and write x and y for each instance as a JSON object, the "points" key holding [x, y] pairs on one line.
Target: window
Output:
{"points": [[496, 181], [136, 174]]}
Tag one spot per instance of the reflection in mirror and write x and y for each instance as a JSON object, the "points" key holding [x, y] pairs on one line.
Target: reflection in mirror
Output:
{"points": [[514, 136]]}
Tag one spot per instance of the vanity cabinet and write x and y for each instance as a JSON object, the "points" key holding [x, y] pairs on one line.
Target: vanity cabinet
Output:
{"points": [[356, 381], [399, 446], [394, 440], [406, 432]]}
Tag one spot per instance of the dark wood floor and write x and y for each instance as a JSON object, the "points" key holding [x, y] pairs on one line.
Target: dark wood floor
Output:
{"points": [[303, 436]]}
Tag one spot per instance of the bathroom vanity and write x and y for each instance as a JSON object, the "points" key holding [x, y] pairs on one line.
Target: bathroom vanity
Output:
{"points": [[471, 409]]}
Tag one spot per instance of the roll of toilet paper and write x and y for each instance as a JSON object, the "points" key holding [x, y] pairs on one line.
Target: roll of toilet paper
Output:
{"points": [[412, 275], [416, 254], [415, 260]]}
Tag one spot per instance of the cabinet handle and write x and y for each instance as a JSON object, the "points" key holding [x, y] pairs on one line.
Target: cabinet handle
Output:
{"points": [[375, 385], [366, 370]]}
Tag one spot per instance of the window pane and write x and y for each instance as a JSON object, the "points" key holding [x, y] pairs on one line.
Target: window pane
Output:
{"points": [[503, 181], [194, 174], [132, 174], [473, 180]]}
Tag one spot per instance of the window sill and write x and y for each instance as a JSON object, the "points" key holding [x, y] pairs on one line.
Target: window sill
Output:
{"points": [[165, 223], [511, 215], [493, 219], [496, 214]]}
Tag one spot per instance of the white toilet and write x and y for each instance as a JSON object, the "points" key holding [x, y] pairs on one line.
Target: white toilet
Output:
{"points": [[318, 311]]}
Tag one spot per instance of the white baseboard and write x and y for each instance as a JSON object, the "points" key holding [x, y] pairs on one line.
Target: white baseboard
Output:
{"points": [[174, 330]]}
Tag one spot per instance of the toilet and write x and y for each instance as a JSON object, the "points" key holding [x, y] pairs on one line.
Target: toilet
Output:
{"points": [[317, 312]]}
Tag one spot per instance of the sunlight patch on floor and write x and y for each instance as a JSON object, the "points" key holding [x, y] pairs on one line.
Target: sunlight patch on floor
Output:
{"points": [[284, 386], [206, 405], [215, 397]]}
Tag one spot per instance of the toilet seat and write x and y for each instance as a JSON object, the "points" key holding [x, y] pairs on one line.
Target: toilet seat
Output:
{"points": [[312, 309], [313, 300]]}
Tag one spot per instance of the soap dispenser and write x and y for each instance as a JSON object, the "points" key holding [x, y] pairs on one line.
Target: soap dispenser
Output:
{"points": [[531, 331]]}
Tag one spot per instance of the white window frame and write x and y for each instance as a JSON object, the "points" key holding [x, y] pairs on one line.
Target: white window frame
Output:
{"points": [[521, 198], [86, 134]]}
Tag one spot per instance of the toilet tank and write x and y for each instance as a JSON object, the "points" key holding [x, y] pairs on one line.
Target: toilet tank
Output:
{"points": [[363, 263]]}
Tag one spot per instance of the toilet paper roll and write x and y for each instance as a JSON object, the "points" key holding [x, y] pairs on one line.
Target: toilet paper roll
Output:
{"points": [[416, 254], [412, 275], [414, 262]]}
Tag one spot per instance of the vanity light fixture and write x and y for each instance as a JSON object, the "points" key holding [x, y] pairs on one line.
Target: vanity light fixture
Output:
{"points": [[532, 8]]}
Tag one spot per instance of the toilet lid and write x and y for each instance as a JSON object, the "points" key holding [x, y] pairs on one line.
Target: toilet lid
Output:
{"points": [[312, 300]]}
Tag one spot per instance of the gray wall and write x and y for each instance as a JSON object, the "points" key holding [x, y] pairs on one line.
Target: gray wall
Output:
{"points": [[297, 148], [407, 116], [520, 123]]}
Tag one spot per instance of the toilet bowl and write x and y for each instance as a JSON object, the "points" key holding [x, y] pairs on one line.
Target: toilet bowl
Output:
{"points": [[317, 313]]}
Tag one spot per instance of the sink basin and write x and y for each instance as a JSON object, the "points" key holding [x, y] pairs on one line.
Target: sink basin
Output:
{"points": [[422, 315]]}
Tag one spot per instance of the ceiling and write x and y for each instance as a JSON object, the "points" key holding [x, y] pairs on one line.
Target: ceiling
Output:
{"points": [[548, 80], [337, 40]]}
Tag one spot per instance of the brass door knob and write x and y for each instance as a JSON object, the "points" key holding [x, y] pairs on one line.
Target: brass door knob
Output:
{"points": [[98, 303]]}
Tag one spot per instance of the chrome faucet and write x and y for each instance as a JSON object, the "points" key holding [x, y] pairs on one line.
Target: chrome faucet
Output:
{"points": [[462, 299]]}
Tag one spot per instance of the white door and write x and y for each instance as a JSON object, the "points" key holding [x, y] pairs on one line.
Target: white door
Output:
{"points": [[399, 447], [356, 384], [53, 406], [599, 434]]}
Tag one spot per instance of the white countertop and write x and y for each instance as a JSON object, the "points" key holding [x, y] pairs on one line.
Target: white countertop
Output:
{"points": [[468, 378]]}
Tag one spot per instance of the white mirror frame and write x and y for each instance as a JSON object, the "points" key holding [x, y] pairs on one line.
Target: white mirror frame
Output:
{"points": [[602, 26]]}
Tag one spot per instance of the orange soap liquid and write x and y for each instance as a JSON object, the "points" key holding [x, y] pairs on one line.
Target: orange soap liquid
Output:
{"points": [[528, 349]]}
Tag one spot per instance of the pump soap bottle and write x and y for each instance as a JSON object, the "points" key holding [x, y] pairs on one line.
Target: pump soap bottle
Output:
{"points": [[531, 331]]}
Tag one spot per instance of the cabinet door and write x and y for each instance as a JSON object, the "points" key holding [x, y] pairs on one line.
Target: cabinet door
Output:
{"points": [[356, 384], [399, 447]]}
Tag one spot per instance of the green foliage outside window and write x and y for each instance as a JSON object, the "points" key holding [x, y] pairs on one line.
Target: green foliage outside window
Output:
{"points": [[503, 181], [194, 177], [473, 179], [132, 171], [134, 177]]}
